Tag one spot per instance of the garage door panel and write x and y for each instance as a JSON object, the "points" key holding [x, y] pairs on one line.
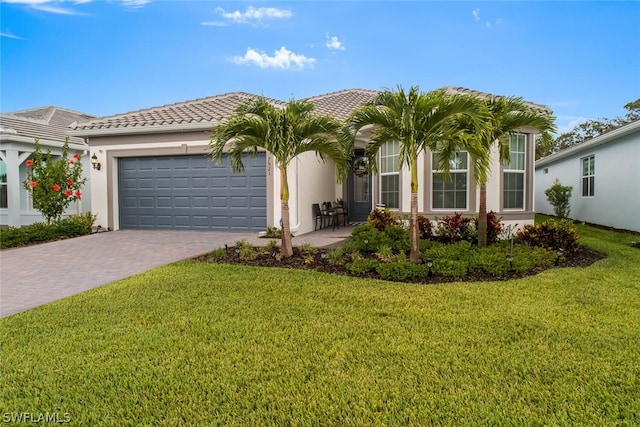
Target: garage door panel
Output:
{"points": [[190, 192]]}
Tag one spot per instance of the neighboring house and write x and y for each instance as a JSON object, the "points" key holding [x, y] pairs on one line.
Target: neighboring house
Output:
{"points": [[18, 132], [156, 173], [606, 187]]}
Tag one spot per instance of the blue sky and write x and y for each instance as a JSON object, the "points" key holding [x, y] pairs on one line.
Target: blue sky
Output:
{"points": [[107, 57]]}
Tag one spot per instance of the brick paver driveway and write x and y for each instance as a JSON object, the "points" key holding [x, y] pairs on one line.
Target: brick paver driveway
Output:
{"points": [[39, 274]]}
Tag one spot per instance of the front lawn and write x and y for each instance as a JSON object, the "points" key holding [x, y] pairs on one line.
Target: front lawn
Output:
{"points": [[207, 344]]}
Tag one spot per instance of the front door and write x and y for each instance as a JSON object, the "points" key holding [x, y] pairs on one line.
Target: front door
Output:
{"points": [[359, 183]]}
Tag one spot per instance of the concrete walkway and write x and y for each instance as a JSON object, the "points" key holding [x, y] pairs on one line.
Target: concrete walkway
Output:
{"points": [[36, 275]]}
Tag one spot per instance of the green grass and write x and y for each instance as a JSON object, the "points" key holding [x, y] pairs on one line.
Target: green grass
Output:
{"points": [[206, 344]]}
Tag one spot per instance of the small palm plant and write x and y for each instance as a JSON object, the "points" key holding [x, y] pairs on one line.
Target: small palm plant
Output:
{"points": [[286, 133]]}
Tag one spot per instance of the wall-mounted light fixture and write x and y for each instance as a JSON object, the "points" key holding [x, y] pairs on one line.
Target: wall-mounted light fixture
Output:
{"points": [[94, 162]]}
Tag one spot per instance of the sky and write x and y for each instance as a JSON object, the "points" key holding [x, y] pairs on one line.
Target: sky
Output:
{"points": [[106, 57]]}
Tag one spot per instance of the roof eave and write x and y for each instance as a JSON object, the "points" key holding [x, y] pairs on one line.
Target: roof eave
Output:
{"points": [[9, 138], [141, 130]]}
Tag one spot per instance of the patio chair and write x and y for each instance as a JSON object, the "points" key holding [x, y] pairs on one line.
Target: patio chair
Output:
{"points": [[319, 215], [331, 214]]}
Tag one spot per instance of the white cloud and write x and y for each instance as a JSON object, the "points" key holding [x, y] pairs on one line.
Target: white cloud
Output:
{"points": [[10, 35], [567, 123], [283, 59], [487, 23], [54, 9], [334, 43], [58, 6], [214, 24], [135, 4], [255, 15]]}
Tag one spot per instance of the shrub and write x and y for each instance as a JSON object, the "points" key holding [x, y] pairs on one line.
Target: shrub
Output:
{"points": [[39, 232], [362, 267], [550, 234], [335, 256], [454, 228], [218, 254], [382, 218], [494, 227], [425, 227], [54, 184], [367, 238], [76, 225], [559, 197], [398, 238], [385, 254], [401, 271], [450, 267]]}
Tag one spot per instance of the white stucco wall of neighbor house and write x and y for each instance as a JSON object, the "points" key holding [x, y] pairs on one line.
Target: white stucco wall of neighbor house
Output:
{"points": [[616, 198]]}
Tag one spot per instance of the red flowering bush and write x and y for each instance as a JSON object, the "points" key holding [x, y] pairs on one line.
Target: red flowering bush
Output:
{"points": [[54, 184]]}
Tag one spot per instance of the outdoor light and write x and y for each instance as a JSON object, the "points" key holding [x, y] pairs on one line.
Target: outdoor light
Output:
{"points": [[366, 245], [559, 253], [94, 162], [274, 253], [238, 250], [510, 259], [429, 265]]}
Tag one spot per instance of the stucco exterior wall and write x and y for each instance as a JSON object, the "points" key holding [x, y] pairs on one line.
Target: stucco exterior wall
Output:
{"points": [[310, 181], [616, 200]]}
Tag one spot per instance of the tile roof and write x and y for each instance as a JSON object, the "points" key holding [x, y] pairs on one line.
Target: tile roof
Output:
{"points": [[47, 123], [204, 111], [463, 90], [342, 103]]}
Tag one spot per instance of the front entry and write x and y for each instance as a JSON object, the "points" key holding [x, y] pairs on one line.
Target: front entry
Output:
{"points": [[359, 192]]}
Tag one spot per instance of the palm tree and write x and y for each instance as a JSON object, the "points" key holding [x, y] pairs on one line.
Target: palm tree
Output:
{"points": [[506, 116], [285, 133], [420, 121]]}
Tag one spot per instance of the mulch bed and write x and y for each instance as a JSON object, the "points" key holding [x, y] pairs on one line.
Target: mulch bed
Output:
{"points": [[582, 257]]}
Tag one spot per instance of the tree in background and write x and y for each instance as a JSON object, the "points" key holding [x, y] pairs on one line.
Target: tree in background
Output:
{"points": [[54, 184], [586, 131], [285, 133]]}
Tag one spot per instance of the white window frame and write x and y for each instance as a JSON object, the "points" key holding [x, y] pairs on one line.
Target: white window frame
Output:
{"points": [[590, 176], [508, 168], [454, 171], [389, 166]]}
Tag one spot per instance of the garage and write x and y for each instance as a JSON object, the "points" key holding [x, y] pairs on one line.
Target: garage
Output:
{"points": [[190, 192]]}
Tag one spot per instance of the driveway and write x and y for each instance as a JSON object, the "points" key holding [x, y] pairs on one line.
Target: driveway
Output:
{"points": [[39, 274]]}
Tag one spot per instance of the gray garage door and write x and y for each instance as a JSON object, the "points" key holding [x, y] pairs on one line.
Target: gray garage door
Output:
{"points": [[190, 192]]}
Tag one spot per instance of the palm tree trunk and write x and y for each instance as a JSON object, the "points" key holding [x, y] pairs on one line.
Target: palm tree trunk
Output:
{"points": [[482, 217], [414, 254], [286, 247]]}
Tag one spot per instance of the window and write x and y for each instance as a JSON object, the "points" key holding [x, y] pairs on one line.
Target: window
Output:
{"points": [[588, 175], [3, 185], [451, 194], [390, 175], [513, 191]]}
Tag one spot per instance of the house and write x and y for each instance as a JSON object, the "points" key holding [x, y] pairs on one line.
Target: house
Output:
{"points": [[156, 173], [18, 132], [606, 189]]}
